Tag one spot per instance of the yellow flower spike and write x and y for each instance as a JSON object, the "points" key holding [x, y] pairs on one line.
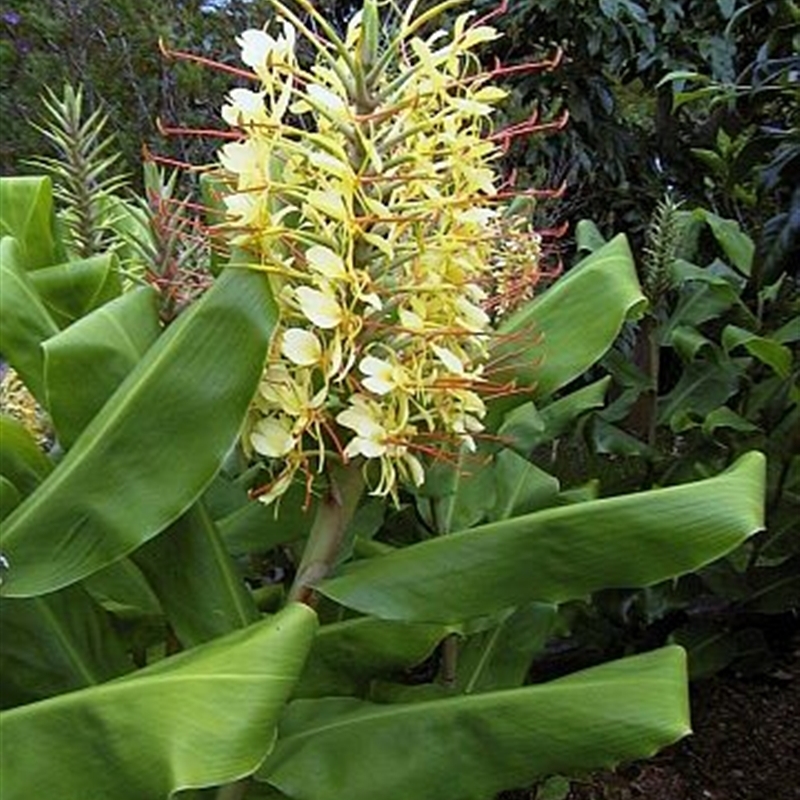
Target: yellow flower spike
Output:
{"points": [[370, 438], [450, 360], [374, 208]]}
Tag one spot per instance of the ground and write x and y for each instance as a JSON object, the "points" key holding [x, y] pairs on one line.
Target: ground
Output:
{"points": [[745, 746]]}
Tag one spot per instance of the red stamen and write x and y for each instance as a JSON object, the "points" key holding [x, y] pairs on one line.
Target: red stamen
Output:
{"points": [[180, 55], [548, 65], [531, 125], [166, 130], [497, 12], [148, 155]]}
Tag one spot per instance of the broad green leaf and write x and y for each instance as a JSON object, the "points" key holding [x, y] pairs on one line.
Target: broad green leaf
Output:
{"points": [[75, 288], [522, 487], [196, 581], [21, 460], [561, 553], [24, 321], [575, 321], [688, 341], [736, 244], [26, 213], [709, 648], [121, 589], [775, 590], [461, 493], [767, 351], [152, 449], [252, 527], [9, 497], [788, 333], [102, 347], [724, 417], [469, 748], [700, 300], [704, 386], [346, 656], [527, 427], [55, 644], [501, 657], [610, 439], [588, 237], [201, 718]]}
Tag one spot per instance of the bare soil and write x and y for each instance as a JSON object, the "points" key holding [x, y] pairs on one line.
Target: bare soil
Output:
{"points": [[745, 746]]}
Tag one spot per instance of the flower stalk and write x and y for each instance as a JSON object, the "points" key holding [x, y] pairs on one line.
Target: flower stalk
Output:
{"points": [[324, 544]]}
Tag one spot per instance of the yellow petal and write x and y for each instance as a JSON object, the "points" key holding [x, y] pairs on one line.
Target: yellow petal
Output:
{"points": [[326, 262], [271, 438], [380, 375], [449, 359], [301, 347], [321, 308]]}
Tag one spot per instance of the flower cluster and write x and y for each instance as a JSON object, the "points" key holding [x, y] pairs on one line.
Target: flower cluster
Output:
{"points": [[367, 186]]}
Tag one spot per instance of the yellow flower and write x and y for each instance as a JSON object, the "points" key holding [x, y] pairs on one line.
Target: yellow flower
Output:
{"points": [[301, 347], [373, 206]]}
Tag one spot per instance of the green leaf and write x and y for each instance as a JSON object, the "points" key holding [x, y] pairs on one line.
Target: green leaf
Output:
{"points": [[21, 460], [561, 553], [608, 438], [26, 213], [9, 497], [122, 590], [688, 341], [74, 289], [575, 321], [588, 237], [55, 644], [775, 590], [346, 656], [709, 648], [152, 449], [724, 417], [704, 386], [24, 321], [501, 657], [736, 244], [521, 487], [526, 427], [201, 718], [102, 347], [196, 581], [767, 351], [469, 748]]}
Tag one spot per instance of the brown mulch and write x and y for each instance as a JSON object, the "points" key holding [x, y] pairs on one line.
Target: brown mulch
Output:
{"points": [[745, 746]]}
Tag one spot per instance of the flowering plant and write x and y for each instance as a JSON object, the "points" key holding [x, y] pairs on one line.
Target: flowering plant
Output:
{"points": [[367, 185]]}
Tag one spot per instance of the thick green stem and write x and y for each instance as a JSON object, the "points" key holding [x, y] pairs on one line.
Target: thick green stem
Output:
{"points": [[324, 545]]}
